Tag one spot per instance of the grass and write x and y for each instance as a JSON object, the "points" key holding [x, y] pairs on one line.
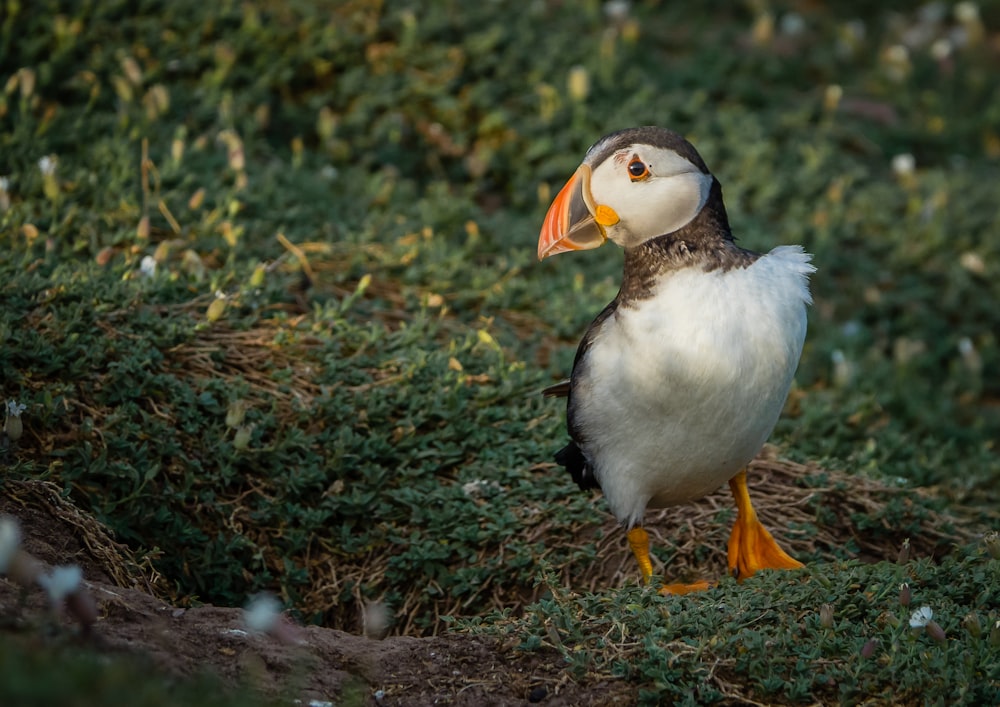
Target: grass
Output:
{"points": [[855, 645], [88, 679], [342, 200]]}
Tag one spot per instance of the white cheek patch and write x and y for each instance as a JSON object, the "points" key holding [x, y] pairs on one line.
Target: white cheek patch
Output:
{"points": [[662, 203]]}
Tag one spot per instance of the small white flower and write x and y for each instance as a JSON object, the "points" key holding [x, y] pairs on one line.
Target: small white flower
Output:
{"points": [[10, 541], [941, 49], [792, 24], [12, 426], [897, 54], [959, 37], [851, 328], [616, 10], [61, 581], [262, 613], [966, 12], [375, 620], [904, 164], [480, 487], [843, 369], [148, 266], [970, 356], [972, 262], [897, 62], [47, 165], [921, 617], [932, 12]]}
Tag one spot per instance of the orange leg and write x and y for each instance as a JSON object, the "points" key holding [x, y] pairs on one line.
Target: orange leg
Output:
{"points": [[638, 540], [751, 547]]}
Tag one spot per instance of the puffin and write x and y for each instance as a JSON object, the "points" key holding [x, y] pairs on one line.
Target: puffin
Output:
{"points": [[680, 379]]}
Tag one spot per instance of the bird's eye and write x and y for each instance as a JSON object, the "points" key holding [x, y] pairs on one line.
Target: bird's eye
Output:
{"points": [[637, 169]]}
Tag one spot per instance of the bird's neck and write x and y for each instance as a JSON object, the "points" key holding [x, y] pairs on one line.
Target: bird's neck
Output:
{"points": [[705, 242]]}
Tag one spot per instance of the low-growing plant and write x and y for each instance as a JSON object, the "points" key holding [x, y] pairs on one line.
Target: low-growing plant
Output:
{"points": [[270, 299]]}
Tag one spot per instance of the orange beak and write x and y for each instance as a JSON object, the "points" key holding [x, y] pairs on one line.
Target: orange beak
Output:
{"points": [[570, 223]]}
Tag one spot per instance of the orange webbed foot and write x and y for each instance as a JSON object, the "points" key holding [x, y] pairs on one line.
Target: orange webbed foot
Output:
{"points": [[680, 589], [638, 540], [751, 546]]}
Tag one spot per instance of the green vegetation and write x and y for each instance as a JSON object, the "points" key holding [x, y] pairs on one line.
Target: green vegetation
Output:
{"points": [[89, 679], [836, 634], [327, 386]]}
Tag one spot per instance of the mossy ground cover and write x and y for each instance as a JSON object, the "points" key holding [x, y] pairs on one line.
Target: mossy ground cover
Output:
{"points": [[269, 295]]}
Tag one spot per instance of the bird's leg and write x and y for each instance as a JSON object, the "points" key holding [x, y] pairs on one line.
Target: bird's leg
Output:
{"points": [[638, 540], [751, 546]]}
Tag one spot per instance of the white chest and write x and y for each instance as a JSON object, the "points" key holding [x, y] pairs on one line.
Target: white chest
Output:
{"points": [[678, 393]]}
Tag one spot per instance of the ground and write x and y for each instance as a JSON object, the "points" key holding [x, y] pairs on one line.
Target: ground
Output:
{"points": [[328, 665], [325, 665]]}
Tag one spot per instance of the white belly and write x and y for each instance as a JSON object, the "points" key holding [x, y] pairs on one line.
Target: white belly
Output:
{"points": [[680, 391]]}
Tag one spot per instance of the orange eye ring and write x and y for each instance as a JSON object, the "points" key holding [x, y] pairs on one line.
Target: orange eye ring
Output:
{"points": [[637, 169]]}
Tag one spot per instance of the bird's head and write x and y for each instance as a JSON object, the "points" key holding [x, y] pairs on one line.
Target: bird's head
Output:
{"points": [[633, 185]]}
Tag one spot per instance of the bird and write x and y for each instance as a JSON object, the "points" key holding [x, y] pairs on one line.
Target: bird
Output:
{"points": [[681, 378]]}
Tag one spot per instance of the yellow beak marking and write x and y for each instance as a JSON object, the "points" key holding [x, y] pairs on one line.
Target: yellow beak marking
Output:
{"points": [[605, 215]]}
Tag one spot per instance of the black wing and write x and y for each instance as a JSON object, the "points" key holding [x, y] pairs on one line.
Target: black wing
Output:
{"points": [[572, 456], [557, 390]]}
